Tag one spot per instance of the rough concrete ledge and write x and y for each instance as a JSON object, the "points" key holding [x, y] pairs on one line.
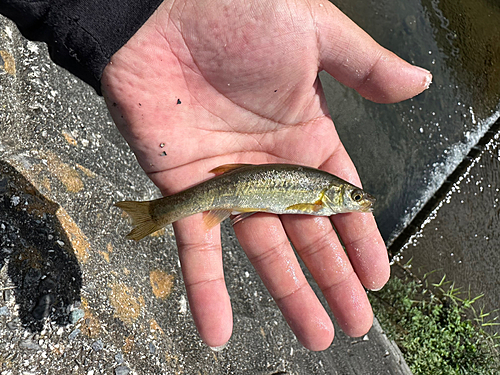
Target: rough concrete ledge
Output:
{"points": [[75, 296]]}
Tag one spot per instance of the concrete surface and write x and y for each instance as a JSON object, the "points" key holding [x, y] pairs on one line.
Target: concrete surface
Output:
{"points": [[75, 296], [458, 234]]}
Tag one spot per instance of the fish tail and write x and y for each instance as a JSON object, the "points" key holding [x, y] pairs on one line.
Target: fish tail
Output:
{"points": [[142, 219]]}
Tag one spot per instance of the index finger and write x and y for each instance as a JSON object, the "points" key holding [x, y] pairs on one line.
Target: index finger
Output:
{"points": [[358, 231]]}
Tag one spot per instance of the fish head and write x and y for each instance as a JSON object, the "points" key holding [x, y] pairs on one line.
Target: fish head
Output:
{"points": [[357, 200], [348, 198]]}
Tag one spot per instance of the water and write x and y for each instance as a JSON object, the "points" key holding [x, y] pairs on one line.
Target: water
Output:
{"points": [[405, 151]]}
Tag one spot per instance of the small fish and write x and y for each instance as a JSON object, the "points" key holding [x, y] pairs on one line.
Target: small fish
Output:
{"points": [[246, 189]]}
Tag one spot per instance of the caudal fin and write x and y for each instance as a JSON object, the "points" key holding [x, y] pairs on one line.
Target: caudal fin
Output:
{"points": [[140, 212]]}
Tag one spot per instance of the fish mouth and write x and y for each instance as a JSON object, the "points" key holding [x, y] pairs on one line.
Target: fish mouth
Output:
{"points": [[369, 201]]}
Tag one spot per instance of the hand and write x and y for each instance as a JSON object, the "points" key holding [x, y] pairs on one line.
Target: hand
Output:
{"points": [[205, 83]]}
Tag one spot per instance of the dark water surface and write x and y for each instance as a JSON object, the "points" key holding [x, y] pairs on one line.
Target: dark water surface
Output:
{"points": [[405, 151]]}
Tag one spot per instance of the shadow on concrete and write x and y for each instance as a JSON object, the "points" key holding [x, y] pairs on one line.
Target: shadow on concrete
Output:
{"points": [[36, 252]]}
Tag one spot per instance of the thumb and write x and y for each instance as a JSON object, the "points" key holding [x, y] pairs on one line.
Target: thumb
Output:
{"points": [[353, 58]]}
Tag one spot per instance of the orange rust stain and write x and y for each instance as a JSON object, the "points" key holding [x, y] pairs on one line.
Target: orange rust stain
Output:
{"points": [[79, 241], [126, 305], [9, 64], [91, 326], [105, 255], [162, 283], [158, 233], [69, 138], [86, 171], [64, 173], [129, 344], [154, 326]]}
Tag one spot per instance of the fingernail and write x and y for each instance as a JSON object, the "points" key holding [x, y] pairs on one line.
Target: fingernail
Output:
{"points": [[218, 348], [428, 76]]}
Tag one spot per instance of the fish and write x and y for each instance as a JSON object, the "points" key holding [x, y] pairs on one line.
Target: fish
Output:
{"points": [[244, 189]]}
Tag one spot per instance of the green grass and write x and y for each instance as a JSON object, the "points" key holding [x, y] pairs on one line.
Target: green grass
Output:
{"points": [[437, 330]]}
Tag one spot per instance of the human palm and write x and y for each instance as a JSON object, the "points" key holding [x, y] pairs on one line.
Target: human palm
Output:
{"points": [[205, 83]]}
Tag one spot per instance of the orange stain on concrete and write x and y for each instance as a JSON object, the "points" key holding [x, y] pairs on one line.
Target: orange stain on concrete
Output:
{"points": [[79, 241], [69, 138], [162, 283], [126, 304], [154, 326], [9, 64], [64, 173]]}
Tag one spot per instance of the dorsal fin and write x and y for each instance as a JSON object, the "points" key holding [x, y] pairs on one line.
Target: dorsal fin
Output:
{"points": [[221, 169]]}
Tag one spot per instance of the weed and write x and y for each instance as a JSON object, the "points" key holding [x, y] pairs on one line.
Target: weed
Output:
{"points": [[438, 331]]}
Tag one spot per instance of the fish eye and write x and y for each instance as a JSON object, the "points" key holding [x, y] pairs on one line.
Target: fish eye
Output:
{"points": [[357, 195]]}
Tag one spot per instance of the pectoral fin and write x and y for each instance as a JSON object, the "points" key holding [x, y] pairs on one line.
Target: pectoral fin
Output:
{"points": [[221, 169], [307, 207]]}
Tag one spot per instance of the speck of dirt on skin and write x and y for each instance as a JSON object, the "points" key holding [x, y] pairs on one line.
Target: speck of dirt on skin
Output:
{"points": [[162, 145], [162, 283], [178, 101]]}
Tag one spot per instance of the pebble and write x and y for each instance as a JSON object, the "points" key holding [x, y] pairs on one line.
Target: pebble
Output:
{"points": [[73, 334], [4, 311], [97, 345], [152, 348], [76, 315], [12, 325], [29, 344], [122, 370], [119, 358]]}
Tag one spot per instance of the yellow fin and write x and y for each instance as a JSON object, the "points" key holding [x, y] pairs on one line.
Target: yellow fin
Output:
{"points": [[306, 207], [214, 217], [141, 218], [221, 169]]}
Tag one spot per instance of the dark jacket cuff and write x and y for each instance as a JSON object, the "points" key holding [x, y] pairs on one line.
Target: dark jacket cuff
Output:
{"points": [[82, 35]]}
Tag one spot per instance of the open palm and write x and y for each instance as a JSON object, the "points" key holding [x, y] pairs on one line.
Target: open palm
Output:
{"points": [[205, 83]]}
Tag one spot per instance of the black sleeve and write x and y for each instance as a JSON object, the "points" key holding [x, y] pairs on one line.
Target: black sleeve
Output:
{"points": [[82, 35]]}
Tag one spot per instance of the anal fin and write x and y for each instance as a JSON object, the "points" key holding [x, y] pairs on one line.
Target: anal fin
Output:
{"points": [[214, 217]]}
